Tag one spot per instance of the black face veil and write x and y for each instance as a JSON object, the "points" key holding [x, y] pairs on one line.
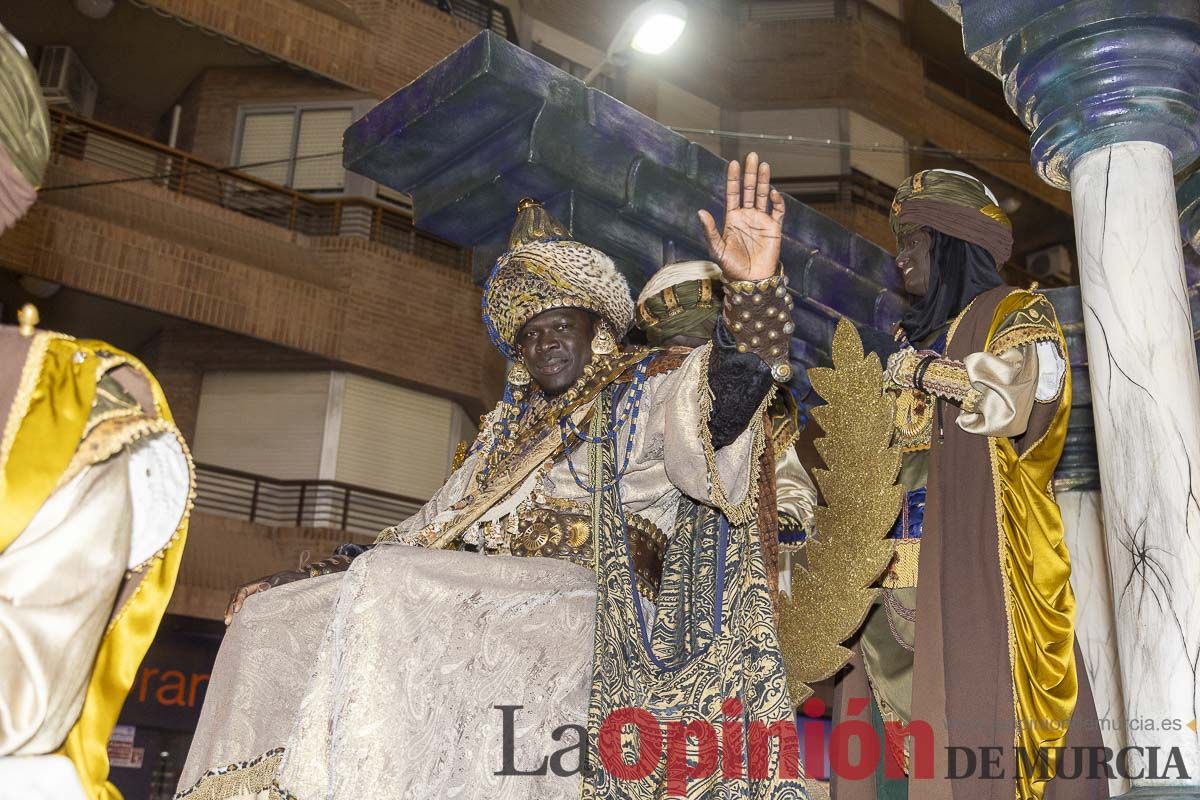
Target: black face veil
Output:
{"points": [[959, 271]]}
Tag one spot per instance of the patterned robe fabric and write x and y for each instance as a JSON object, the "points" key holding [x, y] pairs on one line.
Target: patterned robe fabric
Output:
{"points": [[709, 655]]}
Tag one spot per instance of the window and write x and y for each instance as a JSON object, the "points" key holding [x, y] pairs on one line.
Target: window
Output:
{"points": [[300, 147]]}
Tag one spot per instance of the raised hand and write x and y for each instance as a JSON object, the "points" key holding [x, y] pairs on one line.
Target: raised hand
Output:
{"points": [[748, 248]]}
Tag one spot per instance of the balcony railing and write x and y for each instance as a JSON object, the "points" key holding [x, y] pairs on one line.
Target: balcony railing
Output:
{"points": [[484, 13], [134, 158], [299, 503], [854, 187]]}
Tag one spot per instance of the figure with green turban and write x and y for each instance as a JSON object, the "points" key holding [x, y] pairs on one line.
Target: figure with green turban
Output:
{"points": [[678, 307]]}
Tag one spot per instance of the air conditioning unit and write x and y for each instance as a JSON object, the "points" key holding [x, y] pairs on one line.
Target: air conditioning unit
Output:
{"points": [[1051, 263], [65, 80]]}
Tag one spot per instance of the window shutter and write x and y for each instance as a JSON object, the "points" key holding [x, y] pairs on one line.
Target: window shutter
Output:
{"points": [[268, 423], [267, 137], [888, 166], [392, 438], [392, 196], [779, 10], [321, 132]]}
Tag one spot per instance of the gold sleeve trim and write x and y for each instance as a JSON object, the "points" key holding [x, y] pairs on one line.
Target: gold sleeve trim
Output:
{"points": [[1034, 321], [948, 379]]}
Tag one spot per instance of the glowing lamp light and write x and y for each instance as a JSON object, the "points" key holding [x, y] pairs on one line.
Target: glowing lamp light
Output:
{"points": [[658, 33], [651, 29]]}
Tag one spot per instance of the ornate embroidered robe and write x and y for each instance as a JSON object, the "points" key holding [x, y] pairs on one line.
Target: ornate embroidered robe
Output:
{"points": [[975, 632], [397, 670]]}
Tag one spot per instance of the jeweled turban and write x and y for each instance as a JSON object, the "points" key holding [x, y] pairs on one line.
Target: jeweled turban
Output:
{"points": [[956, 204], [543, 270]]}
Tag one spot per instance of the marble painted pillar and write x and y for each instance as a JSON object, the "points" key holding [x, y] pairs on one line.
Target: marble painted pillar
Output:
{"points": [[1095, 625], [1146, 406]]}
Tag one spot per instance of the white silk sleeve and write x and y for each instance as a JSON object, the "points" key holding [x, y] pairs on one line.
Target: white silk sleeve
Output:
{"points": [[795, 494], [1009, 384], [724, 478], [58, 581], [1052, 368]]}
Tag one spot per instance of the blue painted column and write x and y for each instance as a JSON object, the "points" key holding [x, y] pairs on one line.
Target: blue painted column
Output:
{"points": [[1110, 90]]}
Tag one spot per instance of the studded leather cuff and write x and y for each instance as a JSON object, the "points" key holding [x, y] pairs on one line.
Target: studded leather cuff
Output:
{"points": [[759, 315]]}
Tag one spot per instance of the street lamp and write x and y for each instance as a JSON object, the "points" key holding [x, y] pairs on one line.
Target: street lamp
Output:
{"points": [[652, 28]]}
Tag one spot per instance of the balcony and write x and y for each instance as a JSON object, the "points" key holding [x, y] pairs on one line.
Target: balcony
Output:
{"points": [[344, 279], [299, 503], [245, 526], [484, 13], [131, 158]]}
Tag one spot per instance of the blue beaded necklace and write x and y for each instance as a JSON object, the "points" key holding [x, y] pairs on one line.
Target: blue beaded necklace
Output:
{"points": [[628, 416]]}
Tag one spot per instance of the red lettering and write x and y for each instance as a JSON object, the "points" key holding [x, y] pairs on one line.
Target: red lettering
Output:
{"points": [[649, 742], [732, 736], [788, 763], [839, 744], [678, 770], [921, 734]]}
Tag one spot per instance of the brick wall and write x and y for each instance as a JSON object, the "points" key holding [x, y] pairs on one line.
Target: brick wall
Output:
{"points": [[410, 37], [359, 303], [396, 42], [286, 29]]}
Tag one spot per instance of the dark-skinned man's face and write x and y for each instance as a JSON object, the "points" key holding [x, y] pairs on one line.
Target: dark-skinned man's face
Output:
{"points": [[556, 345], [913, 261]]}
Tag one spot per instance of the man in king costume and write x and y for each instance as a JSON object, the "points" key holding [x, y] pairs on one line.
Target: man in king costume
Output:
{"points": [[974, 634], [620, 485]]}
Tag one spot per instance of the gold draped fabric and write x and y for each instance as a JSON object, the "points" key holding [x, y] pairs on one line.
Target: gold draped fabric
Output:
{"points": [[1037, 568], [44, 426], [43, 434]]}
